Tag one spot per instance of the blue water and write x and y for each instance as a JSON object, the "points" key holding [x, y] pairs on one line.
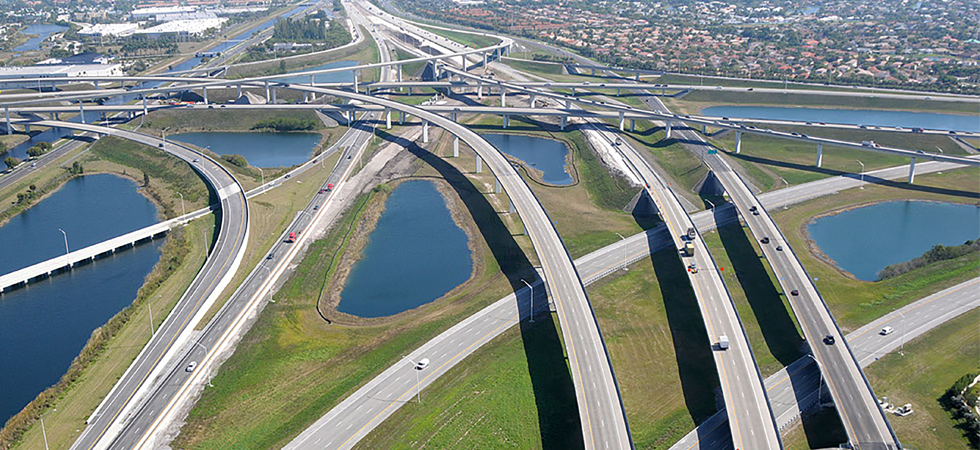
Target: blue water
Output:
{"points": [[546, 155], [415, 255], [906, 119], [261, 149], [863, 241], [46, 323], [42, 31], [48, 135], [90, 209], [346, 76]]}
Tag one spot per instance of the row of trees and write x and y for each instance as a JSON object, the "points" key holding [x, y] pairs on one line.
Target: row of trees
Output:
{"points": [[285, 124], [960, 401], [935, 254], [315, 28]]}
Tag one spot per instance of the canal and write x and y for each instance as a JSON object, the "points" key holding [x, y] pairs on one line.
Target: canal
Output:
{"points": [[415, 255], [42, 30], [261, 149], [863, 241], [547, 155], [881, 118], [47, 323], [346, 76]]}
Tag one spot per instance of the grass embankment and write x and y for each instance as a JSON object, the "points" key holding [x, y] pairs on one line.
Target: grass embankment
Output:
{"points": [[468, 39], [676, 163], [536, 67], [932, 362], [589, 212], [658, 346], [410, 70], [364, 52], [20, 196], [695, 101], [114, 345], [292, 356], [855, 302]]}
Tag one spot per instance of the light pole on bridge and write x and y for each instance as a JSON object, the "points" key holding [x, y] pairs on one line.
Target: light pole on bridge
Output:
{"points": [[625, 249], [862, 172], [532, 299], [67, 259], [205, 356]]}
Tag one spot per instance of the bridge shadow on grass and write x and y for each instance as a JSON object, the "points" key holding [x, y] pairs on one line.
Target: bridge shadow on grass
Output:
{"points": [[775, 322], [551, 381], [868, 178], [692, 350]]}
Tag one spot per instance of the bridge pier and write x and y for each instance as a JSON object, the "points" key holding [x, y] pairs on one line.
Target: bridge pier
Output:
{"points": [[425, 131], [355, 81], [6, 110], [452, 116], [512, 208], [239, 91], [387, 119], [96, 84], [637, 76], [399, 75], [57, 116], [506, 121], [306, 97], [618, 92], [479, 164], [819, 154], [568, 104], [738, 146], [912, 170], [704, 129], [81, 112], [496, 185], [484, 61], [455, 146], [668, 129], [462, 61], [205, 90], [573, 91], [503, 96], [27, 128], [593, 72], [564, 121], [632, 125], [479, 89], [533, 97], [267, 95], [409, 90], [274, 96], [144, 107], [622, 121]]}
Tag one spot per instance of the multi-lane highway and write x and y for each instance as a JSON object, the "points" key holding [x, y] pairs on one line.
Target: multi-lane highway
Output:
{"points": [[225, 256]]}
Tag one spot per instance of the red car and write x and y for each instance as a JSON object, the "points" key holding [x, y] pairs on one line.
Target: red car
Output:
{"points": [[291, 238]]}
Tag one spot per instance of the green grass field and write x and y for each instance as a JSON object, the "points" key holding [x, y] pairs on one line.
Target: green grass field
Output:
{"points": [[697, 100]]}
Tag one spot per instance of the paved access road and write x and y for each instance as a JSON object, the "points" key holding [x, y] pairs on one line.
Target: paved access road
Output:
{"points": [[226, 254]]}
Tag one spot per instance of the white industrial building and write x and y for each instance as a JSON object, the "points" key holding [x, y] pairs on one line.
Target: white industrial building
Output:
{"points": [[144, 13], [9, 76], [183, 27], [109, 29]]}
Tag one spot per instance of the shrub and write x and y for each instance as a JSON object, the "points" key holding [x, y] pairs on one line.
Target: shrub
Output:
{"points": [[236, 160]]}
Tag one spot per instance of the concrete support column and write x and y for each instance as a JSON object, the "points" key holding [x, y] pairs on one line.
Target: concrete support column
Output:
{"points": [[638, 76], [409, 90], [452, 116], [619, 92], [668, 130], [455, 146], [350, 117], [312, 96], [533, 98], [479, 89], [819, 154], [312, 79], [6, 110], [564, 121], [425, 131], [239, 91], [912, 170], [484, 60], [622, 121], [479, 164], [81, 113], [568, 104], [399, 74], [274, 96], [704, 129], [632, 125], [267, 95], [506, 121], [573, 91], [306, 97], [355, 81], [27, 128], [496, 185], [57, 116], [96, 84], [593, 72], [462, 61], [512, 208], [403, 118], [738, 146], [388, 119], [205, 90], [503, 96]]}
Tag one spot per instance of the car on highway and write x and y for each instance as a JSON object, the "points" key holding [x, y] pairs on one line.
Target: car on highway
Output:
{"points": [[422, 364], [196, 160], [270, 256], [829, 339], [316, 207], [190, 367], [292, 237], [160, 145], [886, 331], [751, 89], [795, 292], [779, 248], [693, 268], [764, 240]]}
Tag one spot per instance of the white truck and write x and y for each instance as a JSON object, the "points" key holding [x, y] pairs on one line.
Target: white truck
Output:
{"points": [[723, 342]]}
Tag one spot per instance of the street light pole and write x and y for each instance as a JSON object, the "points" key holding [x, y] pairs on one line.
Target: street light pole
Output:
{"points": [[819, 386], [44, 433], [785, 194], [625, 249], [67, 260], [862, 172], [532, 299], [901, 350], [163, 134], [418, 388]]}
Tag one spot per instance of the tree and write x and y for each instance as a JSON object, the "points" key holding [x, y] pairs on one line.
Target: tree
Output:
{"points": [[35, 151], [11, 162], [146, 179]]}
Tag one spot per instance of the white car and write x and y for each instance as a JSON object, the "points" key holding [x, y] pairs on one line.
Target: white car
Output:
{"points": [[191, 366], [422, 364], [886, 331]]}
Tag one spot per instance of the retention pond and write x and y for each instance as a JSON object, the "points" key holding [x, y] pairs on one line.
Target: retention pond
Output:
{"points": [[547, 155], [261, 149], [864, 240], [415, 255]]}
